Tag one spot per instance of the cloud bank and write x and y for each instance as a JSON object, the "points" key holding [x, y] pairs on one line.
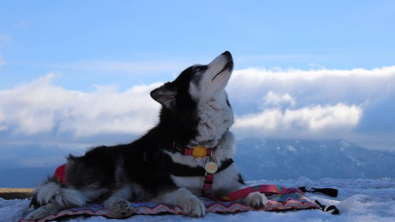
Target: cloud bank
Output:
{"points": [[311, 103], [267, 103], [312, 120], [41, 107]]}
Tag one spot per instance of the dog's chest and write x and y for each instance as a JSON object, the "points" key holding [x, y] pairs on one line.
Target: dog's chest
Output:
{"points": [[224, 182]]}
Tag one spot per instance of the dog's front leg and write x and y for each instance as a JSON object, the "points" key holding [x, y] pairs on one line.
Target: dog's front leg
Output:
{"points": [[183, 198]]}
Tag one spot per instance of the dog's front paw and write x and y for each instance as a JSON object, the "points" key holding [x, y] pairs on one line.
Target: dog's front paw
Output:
{"points": [[119, 207], [256, 200], [194, 207]]}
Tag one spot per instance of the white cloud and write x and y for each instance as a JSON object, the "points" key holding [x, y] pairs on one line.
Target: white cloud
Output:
{"points": [[299, 88], [311, 86], [307, 121], [258, 75], [272, 98], [313, 103], [2, 119], [282, 103], [129, 112], [40, 107]]}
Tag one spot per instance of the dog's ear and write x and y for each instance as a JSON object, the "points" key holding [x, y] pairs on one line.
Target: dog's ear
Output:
{"points": [[165, 95]]}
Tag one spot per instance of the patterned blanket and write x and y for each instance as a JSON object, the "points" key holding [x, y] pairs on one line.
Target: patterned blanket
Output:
{"points": [[291, 199]]}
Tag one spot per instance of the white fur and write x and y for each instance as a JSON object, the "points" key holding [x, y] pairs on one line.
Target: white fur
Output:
{"points": [[118, 206], [190, 204], [55, 198], [193, 184], [216, 117], [226, 181], [222, 183], [207, 89], [255, 199], [225, 148], [43, 211], [212, 81], [52, 192]]}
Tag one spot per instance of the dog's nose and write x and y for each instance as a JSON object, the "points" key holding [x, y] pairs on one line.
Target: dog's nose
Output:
{"points": [[226, 53]]}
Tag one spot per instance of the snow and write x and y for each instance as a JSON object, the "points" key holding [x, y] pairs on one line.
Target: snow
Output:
{"points": [[358, 200]]}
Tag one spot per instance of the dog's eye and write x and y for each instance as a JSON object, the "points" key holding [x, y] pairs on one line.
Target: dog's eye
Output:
{"points": [[199, 69]]}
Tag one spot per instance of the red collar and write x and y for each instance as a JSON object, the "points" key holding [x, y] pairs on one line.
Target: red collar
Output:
{"points": [[197, 151], [210, 167]]}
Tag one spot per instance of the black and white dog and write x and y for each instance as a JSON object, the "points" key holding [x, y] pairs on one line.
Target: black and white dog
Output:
{"points": [[195, 113]]}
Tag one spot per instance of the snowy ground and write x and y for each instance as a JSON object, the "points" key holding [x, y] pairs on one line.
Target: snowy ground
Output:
{"points": [[358, 200]]}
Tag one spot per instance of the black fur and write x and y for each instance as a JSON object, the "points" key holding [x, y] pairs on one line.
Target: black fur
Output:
{"points": [[97, 167]]}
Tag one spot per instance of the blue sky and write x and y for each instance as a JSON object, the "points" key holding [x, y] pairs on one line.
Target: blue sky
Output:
{"points": [[66, 36], [76, 71]]}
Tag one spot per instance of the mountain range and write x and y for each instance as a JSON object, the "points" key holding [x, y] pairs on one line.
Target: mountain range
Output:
{"points": [[272, 159], [315, 159]]}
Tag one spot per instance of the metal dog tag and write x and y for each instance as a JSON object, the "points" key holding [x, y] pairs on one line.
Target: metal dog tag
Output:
{"points": [[211, 167]]}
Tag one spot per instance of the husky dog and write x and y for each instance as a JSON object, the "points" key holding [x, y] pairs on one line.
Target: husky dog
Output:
{"points": [[195, 113]]}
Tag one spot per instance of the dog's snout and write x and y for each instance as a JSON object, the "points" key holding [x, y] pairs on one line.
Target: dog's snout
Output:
{"points": [[227, 53], [229, 58]]}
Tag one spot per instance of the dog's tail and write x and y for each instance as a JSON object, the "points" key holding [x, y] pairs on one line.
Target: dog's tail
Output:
{"points": [[55, 192]]}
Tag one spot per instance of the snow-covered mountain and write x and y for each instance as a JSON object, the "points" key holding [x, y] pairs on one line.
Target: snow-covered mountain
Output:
{"points": [[290, 159], [27, 165]]}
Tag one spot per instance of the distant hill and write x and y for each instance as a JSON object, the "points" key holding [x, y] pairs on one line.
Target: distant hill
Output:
{"points": [[315, 159], [256, 158]]}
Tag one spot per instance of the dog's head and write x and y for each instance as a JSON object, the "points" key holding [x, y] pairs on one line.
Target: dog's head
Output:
{"points": [[195, 104]]}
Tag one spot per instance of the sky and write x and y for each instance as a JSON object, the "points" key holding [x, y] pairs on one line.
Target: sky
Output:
{"points": [[80, 72]]}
